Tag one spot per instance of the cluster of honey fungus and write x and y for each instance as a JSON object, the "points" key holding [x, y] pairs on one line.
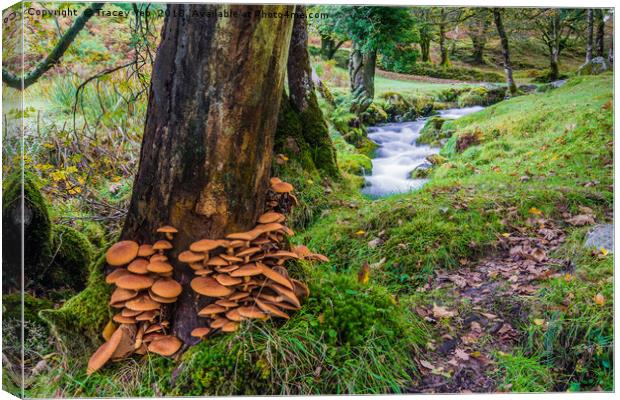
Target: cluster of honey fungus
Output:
{"points": [[244, 276]]}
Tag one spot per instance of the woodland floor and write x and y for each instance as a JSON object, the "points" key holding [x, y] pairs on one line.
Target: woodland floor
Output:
{"points": [[491, 295]]}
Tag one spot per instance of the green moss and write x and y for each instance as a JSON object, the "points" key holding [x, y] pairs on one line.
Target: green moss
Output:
{"points": [[431, 133], [347, 338], [37, 229], [94, 232], [316, 134], [304, 137], [289, 139], [71, 257], [374, 114], [355, 163], [77, 325], [12, 307]]}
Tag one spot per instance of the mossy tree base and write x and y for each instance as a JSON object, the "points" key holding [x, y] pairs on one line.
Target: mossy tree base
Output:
{"points": [[78, 324]]}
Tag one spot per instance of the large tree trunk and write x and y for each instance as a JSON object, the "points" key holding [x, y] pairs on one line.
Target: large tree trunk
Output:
{"points": [[590, 39], [497, 17], [304, 102], [208, 140], [362, 76], [600, 33]]}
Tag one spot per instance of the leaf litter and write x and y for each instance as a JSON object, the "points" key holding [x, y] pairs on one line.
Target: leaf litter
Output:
{"points": [[477, 325]]}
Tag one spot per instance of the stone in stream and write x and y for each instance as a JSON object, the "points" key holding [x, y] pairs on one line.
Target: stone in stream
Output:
{"points": [[601, 236]]}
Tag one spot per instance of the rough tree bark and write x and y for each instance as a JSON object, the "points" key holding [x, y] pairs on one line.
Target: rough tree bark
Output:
{"points": [[600, 33], [590, 38], [362, 76], [497, 18], [208, 139], [312, 137]]}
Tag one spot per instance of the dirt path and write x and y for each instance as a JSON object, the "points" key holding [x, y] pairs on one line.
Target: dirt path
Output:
{"points": [[416, 78], [489, 300]]}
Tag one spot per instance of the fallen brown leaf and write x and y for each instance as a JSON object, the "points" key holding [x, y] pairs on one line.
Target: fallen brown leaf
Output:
{"points": [[581, 220], [442, 312]]}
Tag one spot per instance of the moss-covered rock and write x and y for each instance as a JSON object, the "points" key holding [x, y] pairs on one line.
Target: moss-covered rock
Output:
{"points": [[71, 257], [398, 108], [374, 114], [423, 105], [436, 159], [12, 307], [482, 96], [77, 325], [432, 134], [37, 229], [357, 164], [421, 172], [474, 97]]}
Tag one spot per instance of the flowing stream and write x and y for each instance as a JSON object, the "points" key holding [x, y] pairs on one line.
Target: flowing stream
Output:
{"points": [[398, 154]]}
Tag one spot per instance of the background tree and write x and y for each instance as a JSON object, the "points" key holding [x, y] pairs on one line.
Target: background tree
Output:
{"points": [[499, 25], [369, 28], [426, 28], [555, 27], [302, 130], [590, 34], [208, 140], [600, 33], [479, 29], [446, 20], [331, 40]]}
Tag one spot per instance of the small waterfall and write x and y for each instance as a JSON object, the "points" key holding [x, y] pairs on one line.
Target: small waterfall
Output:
{"points": [[398, 154]]}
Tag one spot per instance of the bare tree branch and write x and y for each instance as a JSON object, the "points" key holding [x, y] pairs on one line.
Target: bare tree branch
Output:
{"points": [[22, 82]]}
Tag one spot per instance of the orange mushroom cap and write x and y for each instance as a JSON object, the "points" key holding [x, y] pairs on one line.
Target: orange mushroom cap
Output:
{"points": [[121, 253]]}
